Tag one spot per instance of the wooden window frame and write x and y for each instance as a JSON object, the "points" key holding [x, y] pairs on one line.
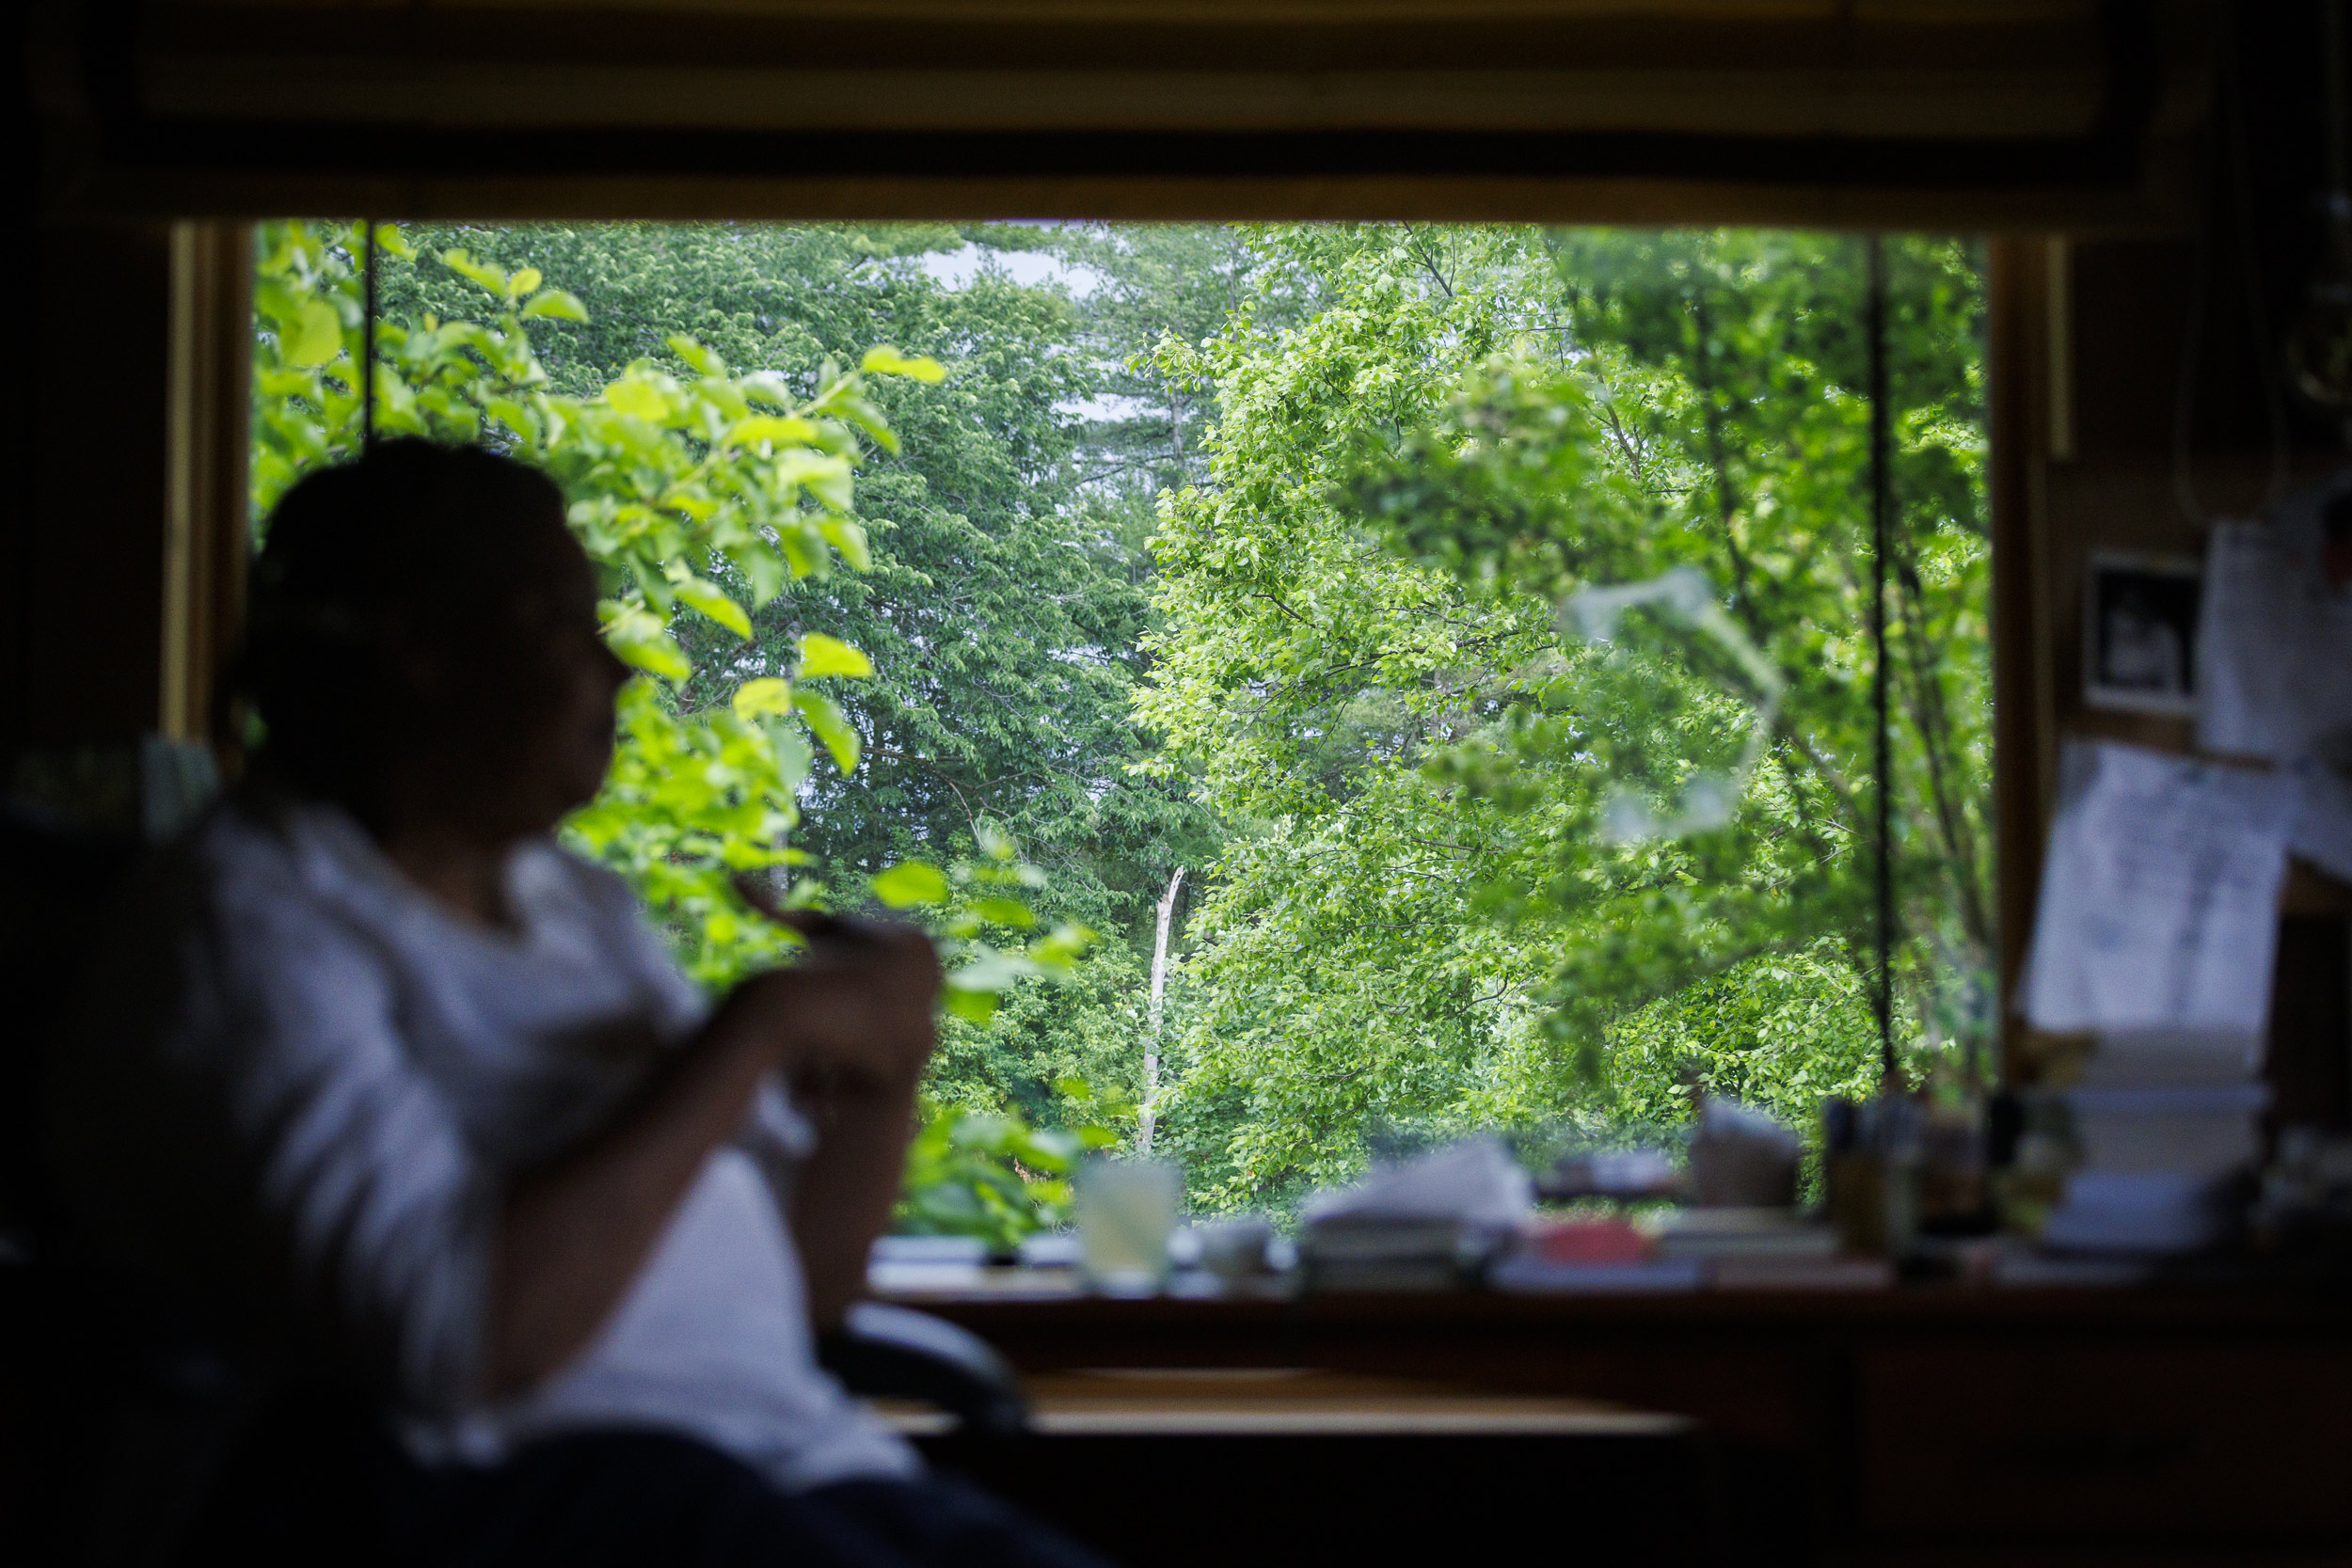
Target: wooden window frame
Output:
{"points": [[206, 465]]}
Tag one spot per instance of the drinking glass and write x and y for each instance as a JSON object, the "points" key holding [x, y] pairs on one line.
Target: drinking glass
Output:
{"points": [[1126, 1210]]}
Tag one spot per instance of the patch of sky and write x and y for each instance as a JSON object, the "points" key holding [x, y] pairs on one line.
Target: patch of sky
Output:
{"points": [[1029, 268]]}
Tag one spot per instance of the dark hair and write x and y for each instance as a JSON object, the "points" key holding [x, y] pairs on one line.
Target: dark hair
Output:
{"points": [[423, 541]]}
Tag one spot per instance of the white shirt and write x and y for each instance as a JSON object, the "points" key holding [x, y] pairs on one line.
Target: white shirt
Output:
{"points": [[300, 1084]]}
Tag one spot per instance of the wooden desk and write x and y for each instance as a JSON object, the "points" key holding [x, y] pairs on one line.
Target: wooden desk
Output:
{"points": [[1913, 1425]]}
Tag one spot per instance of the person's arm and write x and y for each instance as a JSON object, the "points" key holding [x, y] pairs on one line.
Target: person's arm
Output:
{"points": [[572, 1236], [842, 1195]]}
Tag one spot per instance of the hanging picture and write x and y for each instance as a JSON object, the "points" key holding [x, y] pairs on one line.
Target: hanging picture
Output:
{"points": [[2140, 632]]}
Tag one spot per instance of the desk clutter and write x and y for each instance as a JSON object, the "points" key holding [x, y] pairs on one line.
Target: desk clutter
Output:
{"points": [[2112, 1182], [2150, 977]]}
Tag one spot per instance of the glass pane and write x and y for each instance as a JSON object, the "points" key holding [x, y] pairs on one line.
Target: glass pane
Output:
{"points": [[1461, 634]]}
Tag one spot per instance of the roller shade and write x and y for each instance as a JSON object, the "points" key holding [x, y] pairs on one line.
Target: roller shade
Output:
{"points": [[2022, 109]]}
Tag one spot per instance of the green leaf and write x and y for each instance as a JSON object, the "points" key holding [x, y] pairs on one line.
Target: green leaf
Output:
{"points": [[713, 601], [694, 354], [1006, 912], [793, 757], [522, 282], [389, 240], [882, 359], [973, 1006], [832, 726], [779, 428], [475, 272], [867, 418], [655, 655], [992, 970], [768, 388], [638, 398], [829, 656], [909, 884], [555, 303], [764, 570], [759, 698], [640, 638], [847, 535], [1061, 948], [318, 335], [507, 411]]}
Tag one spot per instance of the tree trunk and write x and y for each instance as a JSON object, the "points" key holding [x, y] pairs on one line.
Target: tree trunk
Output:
{"points": [[1148, 1115]]}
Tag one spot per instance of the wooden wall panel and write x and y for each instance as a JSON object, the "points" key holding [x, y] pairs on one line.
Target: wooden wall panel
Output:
{"points": [[2014, 113], [85, 537]]}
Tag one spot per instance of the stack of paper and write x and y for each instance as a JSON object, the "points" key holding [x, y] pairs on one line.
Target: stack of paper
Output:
{"points": [[2156, 934], [1387, 1255], [1717, 1233], [2208, 1131], [1766, 1250], [2138, 1213], [1425, 1224]]}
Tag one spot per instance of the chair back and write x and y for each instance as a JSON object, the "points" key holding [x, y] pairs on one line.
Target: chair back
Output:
{"points": [[114, 1413]]}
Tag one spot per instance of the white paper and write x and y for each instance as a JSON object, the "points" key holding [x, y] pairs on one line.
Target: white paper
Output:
{"points": [[2245, 668], [2274, 644], [2159, 904], [2199, 1131], [2275, 662], [1473, 1183], [2143, 1211], [2172, 1058]]}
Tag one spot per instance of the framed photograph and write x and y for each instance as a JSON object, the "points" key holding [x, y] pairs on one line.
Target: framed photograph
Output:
{"points": [[2140, 632]]}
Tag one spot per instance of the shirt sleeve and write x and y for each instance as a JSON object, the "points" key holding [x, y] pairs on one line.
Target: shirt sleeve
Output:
{"points": [[777, 1130], [678, 1004], [359, 1164]]}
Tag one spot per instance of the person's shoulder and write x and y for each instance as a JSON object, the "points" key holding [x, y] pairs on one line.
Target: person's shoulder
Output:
{"points": [[291, 892], [574, 888], [555, 885], [227, 916], [544, 868], [259, 849]]}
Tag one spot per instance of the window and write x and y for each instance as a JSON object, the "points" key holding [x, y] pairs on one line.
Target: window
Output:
{"points": [[1463, 633]]}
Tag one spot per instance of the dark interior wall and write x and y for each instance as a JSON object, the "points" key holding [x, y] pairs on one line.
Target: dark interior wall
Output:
{"points": [[2263, 168], [89, 535], [82, 436], [2177, 410], [18, 175]]}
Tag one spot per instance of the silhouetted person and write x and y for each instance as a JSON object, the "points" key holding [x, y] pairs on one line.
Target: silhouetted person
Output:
{"points": [[396, 1090]]}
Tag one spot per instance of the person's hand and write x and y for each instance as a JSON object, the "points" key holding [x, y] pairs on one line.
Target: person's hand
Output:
{"points": [[857, 1013]]}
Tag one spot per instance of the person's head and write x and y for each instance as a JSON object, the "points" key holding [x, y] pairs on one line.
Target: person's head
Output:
{"points": [[422, 622]]}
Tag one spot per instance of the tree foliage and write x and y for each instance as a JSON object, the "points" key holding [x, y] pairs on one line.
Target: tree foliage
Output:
{"points": [[1423, 918]]}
